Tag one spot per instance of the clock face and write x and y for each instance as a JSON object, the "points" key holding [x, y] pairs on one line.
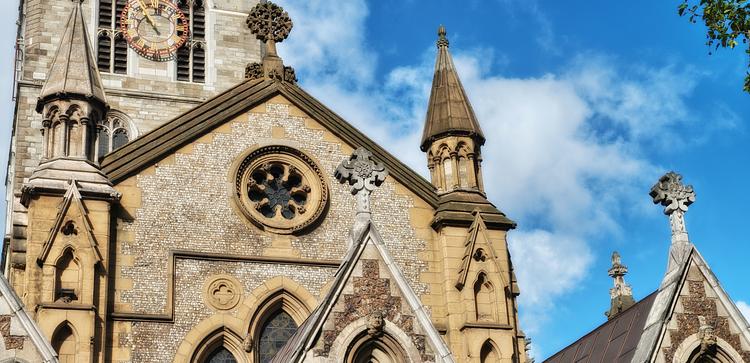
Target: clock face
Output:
{"points": [[155, 29]]}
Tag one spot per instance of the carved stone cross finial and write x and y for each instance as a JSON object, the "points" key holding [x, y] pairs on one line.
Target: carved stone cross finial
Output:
{"points": [[675, 196], [363, 175], [270, 24]]}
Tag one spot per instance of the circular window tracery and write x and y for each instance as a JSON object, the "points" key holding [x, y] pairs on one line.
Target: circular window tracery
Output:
{"points": [[280, 189]]}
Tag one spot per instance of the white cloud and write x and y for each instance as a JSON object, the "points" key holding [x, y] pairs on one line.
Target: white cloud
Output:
{"points": [[744, 309], [564, 151]]}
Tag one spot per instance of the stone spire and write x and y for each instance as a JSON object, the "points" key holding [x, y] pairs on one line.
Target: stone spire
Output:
{"points": [[621, 295], [73, 74], [449, 111], [670, 192], [452, 137], [71, 102], [270, 24]]}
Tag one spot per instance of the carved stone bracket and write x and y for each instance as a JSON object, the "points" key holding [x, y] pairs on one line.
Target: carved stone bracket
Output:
{"points": [[708, 337], [375, 325]]}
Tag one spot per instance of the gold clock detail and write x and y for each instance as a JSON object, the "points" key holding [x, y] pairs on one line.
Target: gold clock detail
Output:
{"points": [[155, 29]]}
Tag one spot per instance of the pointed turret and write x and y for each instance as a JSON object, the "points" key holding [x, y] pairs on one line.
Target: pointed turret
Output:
{"points": [[452, 137], [73, 74], [449, 111], [71, 102], [621, 294]]}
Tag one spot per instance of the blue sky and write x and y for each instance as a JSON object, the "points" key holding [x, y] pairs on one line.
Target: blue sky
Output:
{"points": [[584, 105]]}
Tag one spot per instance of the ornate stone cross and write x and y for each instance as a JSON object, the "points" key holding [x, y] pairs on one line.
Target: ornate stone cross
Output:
{"points": [[270, 24], [363, 175], [675, 197]]}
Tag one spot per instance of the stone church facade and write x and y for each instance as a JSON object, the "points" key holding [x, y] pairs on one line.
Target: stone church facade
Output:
{"points": [[175, 196], [182, 199]]}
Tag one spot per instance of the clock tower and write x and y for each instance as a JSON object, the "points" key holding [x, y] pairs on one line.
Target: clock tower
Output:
{"points": [[156, 59]]}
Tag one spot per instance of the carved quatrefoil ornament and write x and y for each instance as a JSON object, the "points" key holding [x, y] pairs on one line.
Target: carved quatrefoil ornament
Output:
{"points": [[280, 189], [222, 292]]}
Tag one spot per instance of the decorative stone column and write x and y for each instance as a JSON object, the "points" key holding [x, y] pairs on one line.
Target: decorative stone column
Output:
{"points": [[363, 174]]}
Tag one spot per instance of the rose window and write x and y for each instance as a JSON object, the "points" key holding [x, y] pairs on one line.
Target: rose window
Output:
{"points": [[280, 189]]}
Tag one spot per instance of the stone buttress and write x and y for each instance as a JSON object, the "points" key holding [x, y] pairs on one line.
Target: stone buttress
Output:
{"points": [[69, 200]]}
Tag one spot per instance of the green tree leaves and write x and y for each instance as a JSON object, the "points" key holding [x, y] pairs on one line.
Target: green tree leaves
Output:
{"points": [[727, 21]]}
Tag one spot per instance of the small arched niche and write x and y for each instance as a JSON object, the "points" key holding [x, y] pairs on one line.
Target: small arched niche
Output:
{"points": [[488, 353], [485, 299], [65, 343], [67, 277]]}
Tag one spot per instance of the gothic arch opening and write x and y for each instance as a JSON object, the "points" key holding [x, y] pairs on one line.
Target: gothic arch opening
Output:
{"points": [[67, 277], [114, 131], [221, 346], [485, 299], [64, 342], [489, 353], [275, 321], [375, 349], [712, 355]]}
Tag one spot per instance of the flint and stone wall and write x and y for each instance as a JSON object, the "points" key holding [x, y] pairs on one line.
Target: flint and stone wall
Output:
{"points": [[184, 203]]}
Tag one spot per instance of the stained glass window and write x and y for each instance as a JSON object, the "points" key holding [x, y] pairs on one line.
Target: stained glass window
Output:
{"points": [[275, 333], [221, 355]]}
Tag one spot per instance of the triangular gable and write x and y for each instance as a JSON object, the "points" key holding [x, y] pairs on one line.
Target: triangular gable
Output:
{"points": [[310, 331], [72, 197], [159, 143], [663, 308], [21, 328], [477, 235]]}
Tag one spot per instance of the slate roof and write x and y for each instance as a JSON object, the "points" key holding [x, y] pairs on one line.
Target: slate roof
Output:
{"points": [[449, 111], [73, 72], [612, 342]]}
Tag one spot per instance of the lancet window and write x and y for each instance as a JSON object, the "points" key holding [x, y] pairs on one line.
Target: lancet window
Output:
{"points": [[276, 331], [221, 355], [191, 57], [111, 46]]}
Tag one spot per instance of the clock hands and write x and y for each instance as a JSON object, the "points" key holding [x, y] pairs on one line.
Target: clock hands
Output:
{"points": [[148, 17]]}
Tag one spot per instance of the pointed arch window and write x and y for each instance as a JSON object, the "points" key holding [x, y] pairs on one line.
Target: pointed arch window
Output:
{"points": [[221, 355], [191, 57], [111, 46], [276, 331], [113, 132]]}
